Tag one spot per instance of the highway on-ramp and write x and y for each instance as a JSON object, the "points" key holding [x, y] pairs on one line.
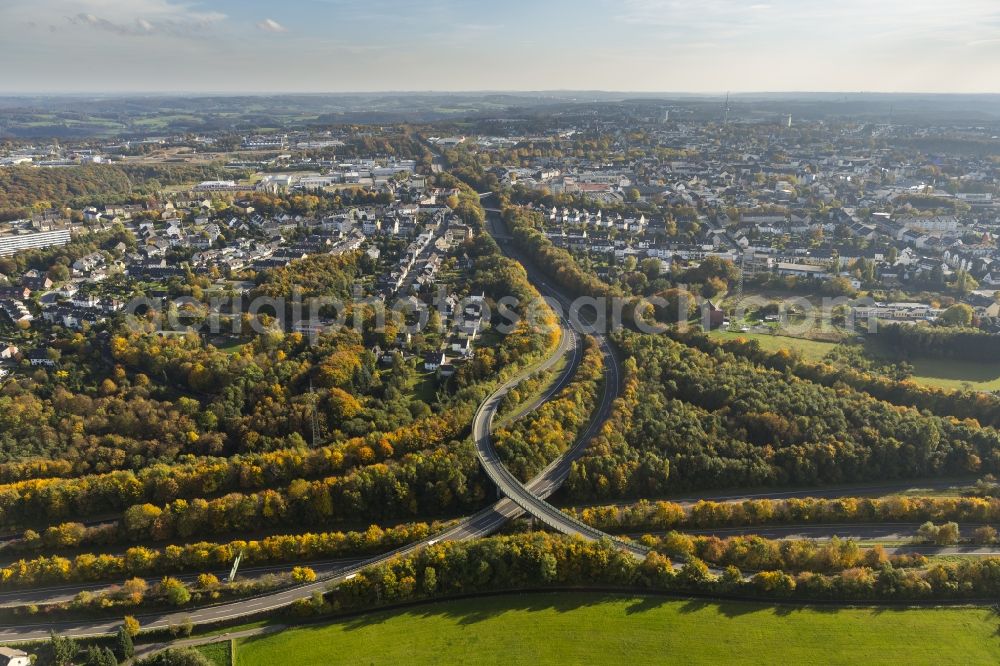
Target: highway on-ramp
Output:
{"points": [[478, 525], [519, 498], [531, 496]]}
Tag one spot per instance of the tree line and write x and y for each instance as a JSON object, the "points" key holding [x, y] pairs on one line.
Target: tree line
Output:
{"points": [[23, 187], [205, 556], [434, 482], [755, 553], [44, 500], [534, 561], [965, 344], [661, 515], [526, 228]]}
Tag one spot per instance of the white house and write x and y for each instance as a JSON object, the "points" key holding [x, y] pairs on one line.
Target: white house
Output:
{"points": [[13, 657], [434, 361], [939, 223], [801, 270]]}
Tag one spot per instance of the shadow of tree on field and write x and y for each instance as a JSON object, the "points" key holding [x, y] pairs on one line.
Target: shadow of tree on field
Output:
{"points": [[473, 610]]}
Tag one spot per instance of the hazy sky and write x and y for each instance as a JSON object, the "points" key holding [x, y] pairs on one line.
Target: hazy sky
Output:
{"points": [[637, 45]]}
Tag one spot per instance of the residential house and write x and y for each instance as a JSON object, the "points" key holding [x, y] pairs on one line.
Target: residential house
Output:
{"points": [[801, 270], [86, 264], [13, 657], [40, 357], [433, 361], [36, 281], [15, 310]]}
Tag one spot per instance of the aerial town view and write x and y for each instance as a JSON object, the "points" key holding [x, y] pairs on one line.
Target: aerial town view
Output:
{"points": [[439, 333]]}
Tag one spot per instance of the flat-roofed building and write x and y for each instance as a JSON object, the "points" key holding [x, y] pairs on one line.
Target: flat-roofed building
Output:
{"points": [[12, 243]]}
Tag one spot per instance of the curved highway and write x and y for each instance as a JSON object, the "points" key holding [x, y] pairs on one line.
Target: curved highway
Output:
{"points": [[519, 498], [478, 525], [531, 497]]}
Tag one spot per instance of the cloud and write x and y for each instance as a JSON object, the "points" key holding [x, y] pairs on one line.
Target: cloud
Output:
{"points": [[135, 18], [270, 25], [137, 27], [697, 45], [983, 42], [881, 29]]}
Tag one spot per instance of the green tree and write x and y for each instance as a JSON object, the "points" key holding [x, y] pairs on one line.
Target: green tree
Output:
{"points": [[430, 580], [713, 287], [695, 572], [175, 591], [303, 575], [176, 657], [965, 283], [948, 534], [959, 314], [124, 647], [59, 273], [62, 649], [97, 656], [651, 267], [675, 305], [985, 535], [182, 630]]}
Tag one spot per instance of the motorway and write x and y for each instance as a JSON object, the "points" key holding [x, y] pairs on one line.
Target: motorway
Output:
{"points": [[519, 498], [531, 497], [894, 537], [58, 593], [911, 487], [478, 525], [889, 531]]}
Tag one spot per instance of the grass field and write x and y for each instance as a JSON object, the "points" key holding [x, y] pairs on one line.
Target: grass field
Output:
{"points": [[577, 628], [423, 385], [811, 350], [231, 347], [951, 374], [939, 373], [220, 654]]}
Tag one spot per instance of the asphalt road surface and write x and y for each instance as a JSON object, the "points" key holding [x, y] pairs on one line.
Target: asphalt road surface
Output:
{"points": [[519, 498], [478, 525], [532, 498]]}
